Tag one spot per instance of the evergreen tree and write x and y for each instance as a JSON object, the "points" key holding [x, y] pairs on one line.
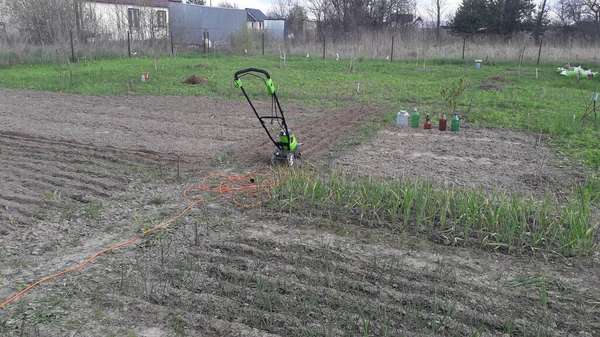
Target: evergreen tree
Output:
{"points": [[472, 16], [502, 17]]}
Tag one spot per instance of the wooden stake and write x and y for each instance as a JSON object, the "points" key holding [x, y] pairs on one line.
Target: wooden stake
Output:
{"points": [[392, 53], [129, 44]]}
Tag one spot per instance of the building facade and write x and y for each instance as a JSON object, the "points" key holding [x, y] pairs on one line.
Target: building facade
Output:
{"points": [[113, 19]]}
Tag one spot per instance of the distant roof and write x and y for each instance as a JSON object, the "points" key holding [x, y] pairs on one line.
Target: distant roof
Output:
{"points": [[153, 3], [255, 15]]}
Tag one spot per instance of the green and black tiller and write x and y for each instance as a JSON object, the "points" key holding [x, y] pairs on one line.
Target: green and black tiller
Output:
{"points": [[286, 148]]}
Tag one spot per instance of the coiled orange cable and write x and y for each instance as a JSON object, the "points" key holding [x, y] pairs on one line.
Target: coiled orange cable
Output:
{"points": [[230, 188]]}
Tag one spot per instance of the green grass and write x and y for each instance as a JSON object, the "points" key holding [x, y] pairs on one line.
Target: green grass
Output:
{"points": [[510, 223]]}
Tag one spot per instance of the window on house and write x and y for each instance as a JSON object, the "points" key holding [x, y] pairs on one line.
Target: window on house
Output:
{"points": [[133, 14], [161, 19]]}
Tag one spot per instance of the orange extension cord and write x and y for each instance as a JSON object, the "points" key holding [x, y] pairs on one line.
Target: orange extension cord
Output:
{"points": [[230, 187]]}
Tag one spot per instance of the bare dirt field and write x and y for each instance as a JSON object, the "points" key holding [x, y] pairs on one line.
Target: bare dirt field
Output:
{"points": [[79, 174], [512, 161]]}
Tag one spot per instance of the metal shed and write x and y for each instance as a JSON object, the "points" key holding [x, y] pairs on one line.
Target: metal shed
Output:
{"points": [[276, 28], [189, 22]]}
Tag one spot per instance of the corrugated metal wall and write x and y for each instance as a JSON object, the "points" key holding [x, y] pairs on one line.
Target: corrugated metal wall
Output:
{"points": [[276, 29], [189, 22]]}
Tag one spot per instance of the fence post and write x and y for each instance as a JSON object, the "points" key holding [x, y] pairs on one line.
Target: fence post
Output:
{"points": [[172, 47], [204, 41], [72, 47], [129, 44], [323, 47], [263, 42], [392, 54], [464, 44], [540, 51], [208, 41]]}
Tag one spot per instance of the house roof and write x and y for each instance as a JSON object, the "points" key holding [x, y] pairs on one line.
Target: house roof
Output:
{"points": [[255, 15], [152, 3]]}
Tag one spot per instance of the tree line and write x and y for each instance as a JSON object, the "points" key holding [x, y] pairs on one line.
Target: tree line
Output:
{"points": [[48, 21], [503, 18]]}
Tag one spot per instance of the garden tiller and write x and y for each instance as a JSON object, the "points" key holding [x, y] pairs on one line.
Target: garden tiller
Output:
{"points": [[286, 148]]}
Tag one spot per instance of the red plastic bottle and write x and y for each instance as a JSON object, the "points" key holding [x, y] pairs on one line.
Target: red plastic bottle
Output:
{"points": [[443, 121], [427, 122]]}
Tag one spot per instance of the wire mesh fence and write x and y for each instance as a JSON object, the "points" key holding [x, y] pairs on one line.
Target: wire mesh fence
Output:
{"points": [[415, 44]]}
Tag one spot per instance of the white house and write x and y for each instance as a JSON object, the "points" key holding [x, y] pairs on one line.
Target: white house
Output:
{"points": [[113, 19], [256, 18]]}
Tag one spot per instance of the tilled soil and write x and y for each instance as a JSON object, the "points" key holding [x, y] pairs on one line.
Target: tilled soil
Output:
{"points": [[511, 161], [55, 143], [79, 174]]}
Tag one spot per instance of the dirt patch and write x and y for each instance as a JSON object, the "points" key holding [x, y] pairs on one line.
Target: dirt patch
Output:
{"points": [[320, 135], [492, 158], [268, 274], [490, 87], [193, 79], [74, 144], [199, 65], [499, 79]]}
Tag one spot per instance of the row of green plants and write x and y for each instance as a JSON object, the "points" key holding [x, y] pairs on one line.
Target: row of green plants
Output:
{"points": [[517, 224]]}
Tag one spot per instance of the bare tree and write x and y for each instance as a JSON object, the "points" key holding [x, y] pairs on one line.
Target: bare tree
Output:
{"points": [[228, 4], [43, 21], [436, 9], [563, 13], [540, 23], [319, 9], [281, 8], [581, 16], [348, 16], [592, 15]]}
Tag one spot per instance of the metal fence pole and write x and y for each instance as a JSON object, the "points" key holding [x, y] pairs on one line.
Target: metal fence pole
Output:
{"points": [[540, 51], [392, 54], [72, 47], [172, 46], [129, 43]]}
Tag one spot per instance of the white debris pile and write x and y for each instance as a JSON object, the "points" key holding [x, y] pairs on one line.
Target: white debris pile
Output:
{"points": [[568, 70]]}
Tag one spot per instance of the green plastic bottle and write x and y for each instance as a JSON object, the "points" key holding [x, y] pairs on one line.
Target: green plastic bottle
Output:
{"points": [[414, 121], [455, 122]]}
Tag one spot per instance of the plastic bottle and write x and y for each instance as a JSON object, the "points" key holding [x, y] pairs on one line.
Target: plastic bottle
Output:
{"points": [[427, 125], [443, 121], [455, 122], [414, 119], [402, 119]]}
